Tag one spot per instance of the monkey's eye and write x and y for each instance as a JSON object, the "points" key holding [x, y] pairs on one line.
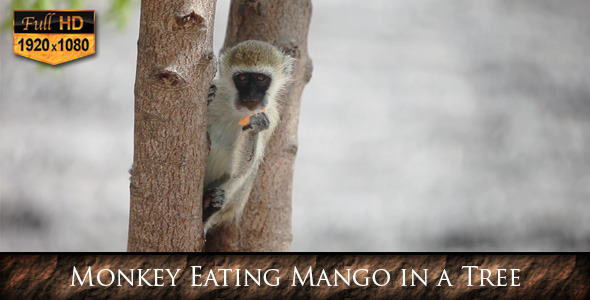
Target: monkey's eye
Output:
{"points": [[260, 77], [242, 77]]}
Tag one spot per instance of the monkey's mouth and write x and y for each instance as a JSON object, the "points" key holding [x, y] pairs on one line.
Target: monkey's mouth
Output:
{"points": [[250, 103]]}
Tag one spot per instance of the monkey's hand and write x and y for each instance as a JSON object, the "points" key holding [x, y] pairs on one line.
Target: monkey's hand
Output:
{"points": [[211, 96], [258, 123], [213, 200]]}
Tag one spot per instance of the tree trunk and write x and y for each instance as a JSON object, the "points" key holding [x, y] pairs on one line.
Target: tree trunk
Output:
{"points": [[175, 66], [266, 222]]}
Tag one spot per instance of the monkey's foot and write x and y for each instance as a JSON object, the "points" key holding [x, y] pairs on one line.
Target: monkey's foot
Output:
{"points": [[213, 201], [258, 122]]}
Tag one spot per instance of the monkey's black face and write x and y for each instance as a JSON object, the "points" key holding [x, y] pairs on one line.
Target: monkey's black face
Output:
{"points": [[252, 89]]}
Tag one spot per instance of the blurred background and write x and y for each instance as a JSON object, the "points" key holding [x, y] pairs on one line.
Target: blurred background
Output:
{"points": [[427, 126]]}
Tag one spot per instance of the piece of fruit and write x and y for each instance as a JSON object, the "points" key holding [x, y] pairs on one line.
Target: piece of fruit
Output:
{"points": [[246, 120]]}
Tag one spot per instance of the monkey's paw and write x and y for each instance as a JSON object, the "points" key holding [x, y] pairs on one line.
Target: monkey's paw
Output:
{"points": [[258, 122], [213, 201], [211, 96]]}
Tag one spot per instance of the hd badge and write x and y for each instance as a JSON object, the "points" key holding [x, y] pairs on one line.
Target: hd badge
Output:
{"points": [[54, 36]]}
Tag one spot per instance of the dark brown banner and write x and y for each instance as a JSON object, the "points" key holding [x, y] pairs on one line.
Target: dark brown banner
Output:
{"points": [[286, 276]]}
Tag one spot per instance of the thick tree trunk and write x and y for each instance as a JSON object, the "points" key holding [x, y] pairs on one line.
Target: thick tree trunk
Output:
{"points": [[266, 222], [175, 66]]}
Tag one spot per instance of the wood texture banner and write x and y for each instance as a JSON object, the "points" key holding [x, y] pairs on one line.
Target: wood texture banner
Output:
{"points": [[291, 276]]}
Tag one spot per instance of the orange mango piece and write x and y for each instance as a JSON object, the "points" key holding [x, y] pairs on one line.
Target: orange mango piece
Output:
{"points": [[246, 120]]}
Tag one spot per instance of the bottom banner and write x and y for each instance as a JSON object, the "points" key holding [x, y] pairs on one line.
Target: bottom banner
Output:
{"points": [[290, 276]]}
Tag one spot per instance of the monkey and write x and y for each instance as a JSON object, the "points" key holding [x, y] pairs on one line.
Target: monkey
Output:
{"points": [[248, 85]]}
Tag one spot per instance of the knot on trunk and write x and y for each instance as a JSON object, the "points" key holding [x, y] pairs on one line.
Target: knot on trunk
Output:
{"points": [[189, 19], [168, 78]]}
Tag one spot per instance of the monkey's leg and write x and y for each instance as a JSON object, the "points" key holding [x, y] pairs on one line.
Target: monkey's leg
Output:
{"points": [[228, 198], [213, 201]]}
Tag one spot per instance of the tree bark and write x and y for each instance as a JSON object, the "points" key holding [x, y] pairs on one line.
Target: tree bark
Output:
{"points": [[175, 66], [266, 221]]}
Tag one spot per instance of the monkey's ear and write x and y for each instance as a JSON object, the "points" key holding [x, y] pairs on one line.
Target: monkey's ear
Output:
{"points": [[288, 65]]}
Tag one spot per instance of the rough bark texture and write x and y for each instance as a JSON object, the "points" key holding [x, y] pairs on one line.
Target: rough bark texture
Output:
{"points": [[175, 65], [540, 276], [266, 222]]}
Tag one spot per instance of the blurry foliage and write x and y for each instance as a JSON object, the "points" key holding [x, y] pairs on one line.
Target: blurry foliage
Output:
{"points": [[118, 12]]}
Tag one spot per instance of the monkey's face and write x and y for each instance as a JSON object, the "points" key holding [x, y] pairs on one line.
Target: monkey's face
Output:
{"points": [[252, 88]]}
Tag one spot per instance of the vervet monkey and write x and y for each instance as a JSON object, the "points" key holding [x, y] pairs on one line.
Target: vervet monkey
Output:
{"points": [[243, 113]]}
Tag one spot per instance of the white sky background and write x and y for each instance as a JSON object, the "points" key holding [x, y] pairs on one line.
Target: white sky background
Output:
{"points": [[427, 125]]}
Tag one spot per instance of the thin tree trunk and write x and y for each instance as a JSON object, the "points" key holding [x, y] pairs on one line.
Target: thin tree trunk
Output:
{"points": [[175, 65], [266, 222]]}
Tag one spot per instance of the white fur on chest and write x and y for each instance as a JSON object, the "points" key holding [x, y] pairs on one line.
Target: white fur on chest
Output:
{"points": [[223, 138]]}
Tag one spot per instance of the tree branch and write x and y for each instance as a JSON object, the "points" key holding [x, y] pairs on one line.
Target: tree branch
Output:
{"points": [[175, 65]]}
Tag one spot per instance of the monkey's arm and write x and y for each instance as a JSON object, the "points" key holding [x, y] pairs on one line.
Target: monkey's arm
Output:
{"points": [[247, 149], [246, 156]]}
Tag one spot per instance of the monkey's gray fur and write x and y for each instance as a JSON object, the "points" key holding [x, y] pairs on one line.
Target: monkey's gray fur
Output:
{"points": [[250, 79]]}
